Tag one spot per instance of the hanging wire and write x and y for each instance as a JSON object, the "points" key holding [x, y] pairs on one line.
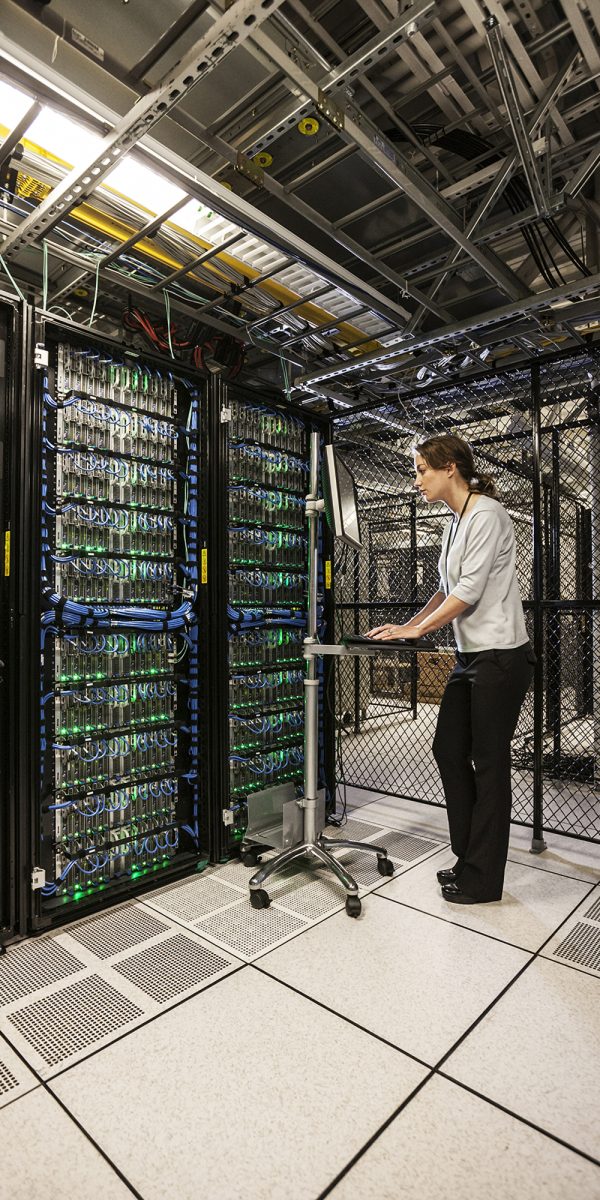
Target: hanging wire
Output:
{"points": [[45, 275], [91, 320], [168, 316], [12, 280]]}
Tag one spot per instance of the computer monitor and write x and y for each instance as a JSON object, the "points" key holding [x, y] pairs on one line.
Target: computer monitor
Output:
{"points": [[339, 494]]}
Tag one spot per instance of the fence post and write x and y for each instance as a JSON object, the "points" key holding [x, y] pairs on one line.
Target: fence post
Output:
{"points": [[537, 841]]}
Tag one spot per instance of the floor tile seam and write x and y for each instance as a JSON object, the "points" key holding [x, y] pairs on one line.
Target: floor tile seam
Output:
{"points": [[113, 1166], [15, 1099], [140, 1024], [559, 962], [581, 901], [44, 1085], [328, 916], [516, 1116], [442, 808], [448, 919], [310, 923], [374, 1137], [21, 1056], [392, 796], [457, 925], [434, 834], [200, 934], [550, 871], [298, 933], [342, 1017], [526, 966]]}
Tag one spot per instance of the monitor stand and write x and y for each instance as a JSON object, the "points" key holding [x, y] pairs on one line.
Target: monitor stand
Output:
{"points": [[314, 847]]}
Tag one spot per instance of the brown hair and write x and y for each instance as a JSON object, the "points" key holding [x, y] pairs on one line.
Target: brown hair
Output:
{"points": [[442, 449]]}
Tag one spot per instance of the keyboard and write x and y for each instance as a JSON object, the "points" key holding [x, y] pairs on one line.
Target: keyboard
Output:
{"points": [[358, 639]]}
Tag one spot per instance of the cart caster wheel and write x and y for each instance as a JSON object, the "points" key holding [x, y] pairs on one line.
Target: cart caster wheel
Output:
{"points": [[353, 906], [2, 950], [385, 866], [260, 898], [250, 859]]}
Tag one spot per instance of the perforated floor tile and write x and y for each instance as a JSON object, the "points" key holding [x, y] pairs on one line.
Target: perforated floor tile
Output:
{"points": [[196, 898], [313, 899], [236, 874], [15, 1078], [72, 1019], [8, 1081], [117, 930], [355, 831], [578, 941], [27, 968], [403, 847], [248, 931], [363, 868], [593, 913], [581, 946], [170, 968]]}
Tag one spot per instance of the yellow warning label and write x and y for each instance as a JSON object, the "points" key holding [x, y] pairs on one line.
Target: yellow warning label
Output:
{"points": [[7, 552], [328, 573], [204, 565]]}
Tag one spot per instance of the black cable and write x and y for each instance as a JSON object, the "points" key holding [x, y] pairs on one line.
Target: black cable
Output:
{"points": [[469, 145]]}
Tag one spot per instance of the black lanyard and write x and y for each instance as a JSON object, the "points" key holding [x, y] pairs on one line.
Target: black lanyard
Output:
{"points": [[452, 535]]}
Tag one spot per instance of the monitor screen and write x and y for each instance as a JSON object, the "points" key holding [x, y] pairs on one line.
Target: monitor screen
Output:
{"points": [[339, 494]]}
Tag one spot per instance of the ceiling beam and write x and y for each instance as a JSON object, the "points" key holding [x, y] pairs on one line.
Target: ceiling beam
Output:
{"points": [[355, 128], [228, 31], [236, 209], [484, 321]]}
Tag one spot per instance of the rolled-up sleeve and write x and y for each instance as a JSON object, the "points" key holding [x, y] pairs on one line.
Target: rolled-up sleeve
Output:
{"points": [[481, 549]]}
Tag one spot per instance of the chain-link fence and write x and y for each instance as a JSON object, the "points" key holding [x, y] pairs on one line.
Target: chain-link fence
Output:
{"points": [[537, 431]]}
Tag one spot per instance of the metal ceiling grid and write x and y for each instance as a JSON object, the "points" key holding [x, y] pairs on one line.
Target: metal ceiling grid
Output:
{"points": [[443, 201]]}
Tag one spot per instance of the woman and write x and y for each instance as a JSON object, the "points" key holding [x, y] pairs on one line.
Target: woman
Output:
{"points": [[479, 595]]}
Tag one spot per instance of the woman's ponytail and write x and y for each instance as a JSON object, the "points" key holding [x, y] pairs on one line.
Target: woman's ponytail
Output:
{"points": [[484, 485]]}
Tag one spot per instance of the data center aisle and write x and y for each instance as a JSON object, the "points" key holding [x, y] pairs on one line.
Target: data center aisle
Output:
{"points": [[186, 1045]]}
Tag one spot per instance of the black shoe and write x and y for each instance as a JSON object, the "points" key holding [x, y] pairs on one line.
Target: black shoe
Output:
{"points": [[448, 876], [452, 892]]}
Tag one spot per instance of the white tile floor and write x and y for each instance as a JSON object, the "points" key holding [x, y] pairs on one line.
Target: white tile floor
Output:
{"points": [[186, 1045]]}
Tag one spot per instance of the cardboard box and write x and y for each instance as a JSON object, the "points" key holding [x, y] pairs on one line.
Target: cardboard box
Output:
{"points": [[433, 672]]}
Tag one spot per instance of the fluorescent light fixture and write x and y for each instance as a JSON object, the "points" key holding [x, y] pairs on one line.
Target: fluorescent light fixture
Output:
{"points": [[143, 185], [62, 137], [13, 105]]}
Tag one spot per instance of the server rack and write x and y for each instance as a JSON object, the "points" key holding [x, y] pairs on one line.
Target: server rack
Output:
{"points": [[136, 728], [119, 786], [258, 488]]}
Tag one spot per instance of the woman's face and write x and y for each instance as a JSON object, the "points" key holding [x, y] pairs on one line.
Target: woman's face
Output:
{"points": [[431, 484]]}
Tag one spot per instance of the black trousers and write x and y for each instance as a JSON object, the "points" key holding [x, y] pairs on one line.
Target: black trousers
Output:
{"points": [[477, 719]]}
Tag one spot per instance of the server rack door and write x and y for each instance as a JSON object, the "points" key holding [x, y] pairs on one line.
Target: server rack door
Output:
{"points": [[121, 797]]}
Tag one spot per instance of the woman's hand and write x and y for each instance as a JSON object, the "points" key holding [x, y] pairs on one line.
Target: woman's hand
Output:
{"points": [[387, 633]]}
